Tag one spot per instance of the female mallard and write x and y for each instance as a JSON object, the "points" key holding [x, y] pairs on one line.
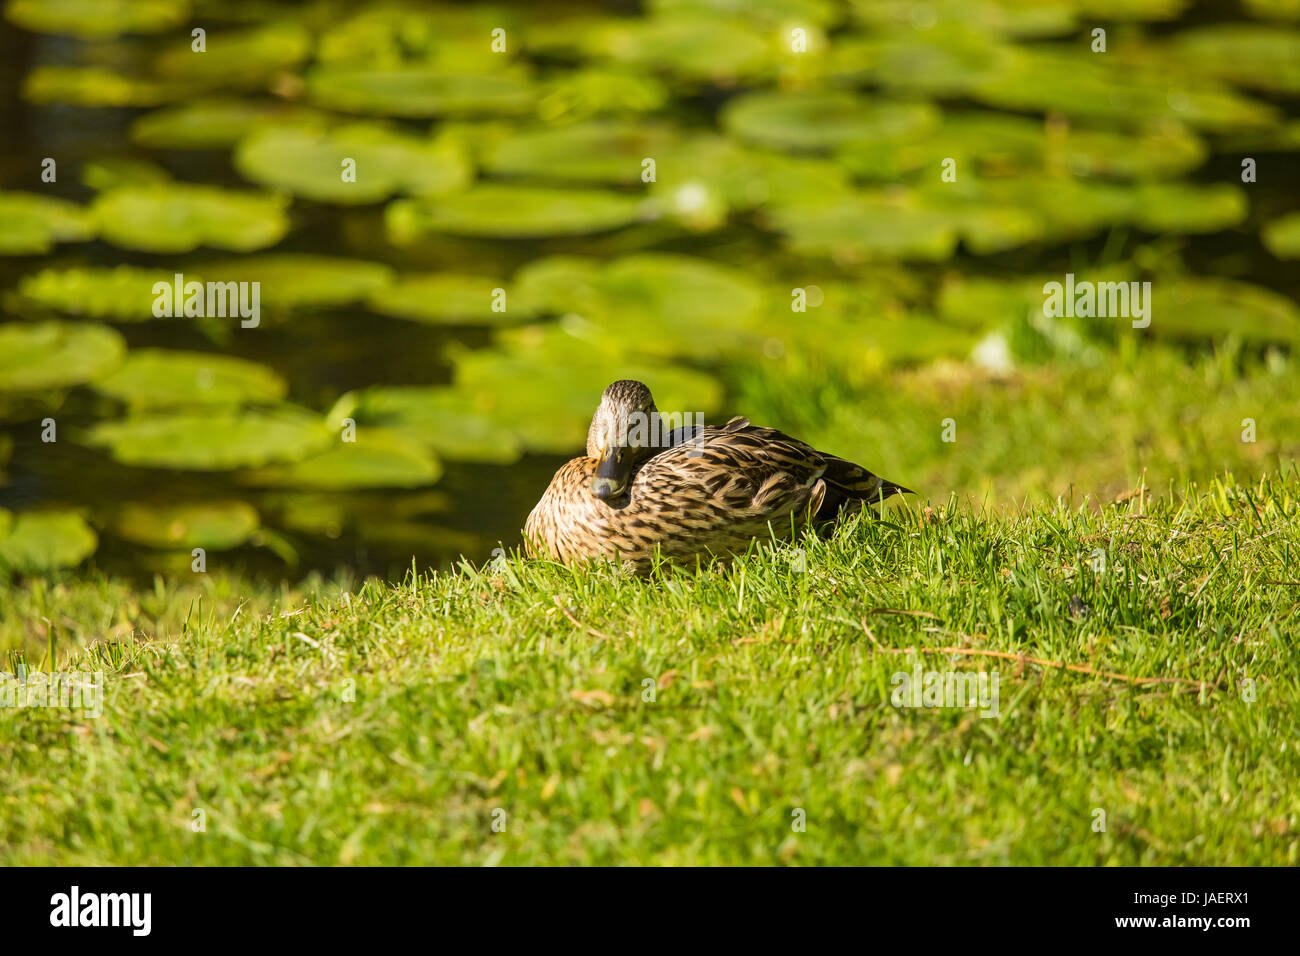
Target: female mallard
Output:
{"points": [[701, 490]]}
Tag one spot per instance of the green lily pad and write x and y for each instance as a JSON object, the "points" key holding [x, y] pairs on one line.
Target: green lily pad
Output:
{"points": [[31, 224], [96, 86], [1201, 309], [299, 280], [418, 92], [309, 162], [821, 121], [580, 94], [379, 458], [1178, 208], [864, 226], [119, 293], [544, 384], [606, 152], [36, 541], [1282, 236], [692, 47], [1263, 57], [948, 61], [1078, 84], [216, 440], [237, 58], [114, 171], [441, 418], [773, 12], [56, 354], [514, 212], [1044, 18], [442, 298], [160, 377], [97, 19], [214, 124], [180, 217], [212, 525]]}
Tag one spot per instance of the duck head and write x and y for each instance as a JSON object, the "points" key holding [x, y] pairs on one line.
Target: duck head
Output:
{"points": [[620, 437]]}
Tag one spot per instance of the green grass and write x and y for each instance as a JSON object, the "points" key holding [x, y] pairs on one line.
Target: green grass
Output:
{"points": [[521, 688]]}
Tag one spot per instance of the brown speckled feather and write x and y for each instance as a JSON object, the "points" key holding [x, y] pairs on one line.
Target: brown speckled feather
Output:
{"points": [[712, 494]]}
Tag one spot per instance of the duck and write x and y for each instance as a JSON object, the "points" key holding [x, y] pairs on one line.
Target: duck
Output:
{"points": [[697, 492]]}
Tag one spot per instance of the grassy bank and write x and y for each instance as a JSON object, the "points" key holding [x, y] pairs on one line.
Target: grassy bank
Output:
{"points": [[528, 713]]}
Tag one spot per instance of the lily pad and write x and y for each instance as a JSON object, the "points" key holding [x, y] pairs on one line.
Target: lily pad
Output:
{"points": [[1178, 208], [419, 92], [237, 58], [213, 525], [692, 47], [214, 124], [1201, 309], [822, 121], [441, 418], [36, 541], [605, 152], [215, 440], [544, 384], [31, 224], [442, 298], [114, 171], [299, 280], [180, 217], [864, 227], [378, 458], [56, 354], [1282, 236], [96, 86], [97, 19], [159, 377], [119, 294], [309, 163], [1077, 84], [1262, 57], [515, 212]]}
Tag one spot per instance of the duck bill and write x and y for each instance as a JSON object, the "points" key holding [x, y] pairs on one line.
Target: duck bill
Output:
{"points": [[613, 469]]}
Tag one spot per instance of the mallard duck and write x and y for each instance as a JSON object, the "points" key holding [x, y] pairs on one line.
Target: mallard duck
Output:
{"points": [[698, 491]]}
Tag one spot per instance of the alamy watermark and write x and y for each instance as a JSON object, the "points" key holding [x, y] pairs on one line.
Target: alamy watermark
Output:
{"points": [[69, 690], [196, 299], [934, 689], [1128, 300]]}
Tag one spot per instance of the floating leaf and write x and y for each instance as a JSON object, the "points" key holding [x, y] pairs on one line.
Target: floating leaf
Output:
{"points": [[160, 377], [864, 226], [442, 298], [212, 525], [1209, 308], [32, 224], [518, 212], [298, 280], [441, 418], [97, 19], [213, 441], [378, 458], [693, 47], [56, 354], [180, 217], [95, 86], [237, 58], [1178, 208], [813, 121], [605, 152], [418, 92], [214, 124], [36, 541], [309, 162], [1264, 57], [119, 293], [1282, 237]]}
